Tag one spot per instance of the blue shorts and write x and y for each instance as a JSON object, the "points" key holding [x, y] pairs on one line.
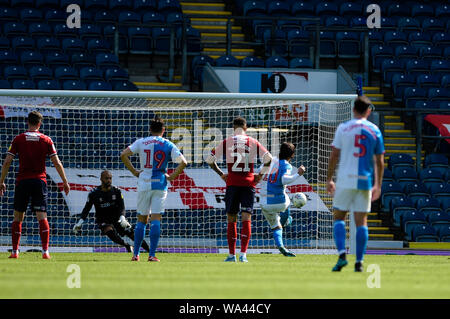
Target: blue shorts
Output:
{"points": [[30, 189], [239, 198]]}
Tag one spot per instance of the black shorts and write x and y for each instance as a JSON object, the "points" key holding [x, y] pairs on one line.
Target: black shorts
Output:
{"points": [[120, 230], [239, 198], [31, 189]]}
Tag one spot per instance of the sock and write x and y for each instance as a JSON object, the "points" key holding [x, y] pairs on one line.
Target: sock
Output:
{"points": [[362, 236], [16, 231], [114, 236], [246, 232], [278, 236], [232, 238], [155, 231], [44, 232], [339, 236], [284, 216], [139, 234]]}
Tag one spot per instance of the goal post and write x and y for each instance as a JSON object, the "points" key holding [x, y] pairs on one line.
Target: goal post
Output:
{"points": [[91, 128]]}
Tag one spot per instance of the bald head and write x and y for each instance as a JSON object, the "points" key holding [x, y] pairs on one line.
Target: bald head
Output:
{"points": [[106, 179]]}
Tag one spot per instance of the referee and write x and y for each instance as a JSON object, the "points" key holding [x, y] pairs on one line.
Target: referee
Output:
{"points": [[109, 212]]}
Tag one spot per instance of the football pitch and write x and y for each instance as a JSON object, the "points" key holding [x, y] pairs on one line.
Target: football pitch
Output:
{"points": [[206, 276]]}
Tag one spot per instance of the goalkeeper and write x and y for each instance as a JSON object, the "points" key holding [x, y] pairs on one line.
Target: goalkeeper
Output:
{"points": [[109, 212]]}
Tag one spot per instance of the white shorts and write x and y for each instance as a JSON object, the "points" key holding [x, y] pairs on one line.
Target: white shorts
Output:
{"points": [[151, 202], [352, 200], [272, 212]]}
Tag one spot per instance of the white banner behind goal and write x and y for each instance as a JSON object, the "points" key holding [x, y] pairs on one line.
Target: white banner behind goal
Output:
{"points": [[90, 129]]}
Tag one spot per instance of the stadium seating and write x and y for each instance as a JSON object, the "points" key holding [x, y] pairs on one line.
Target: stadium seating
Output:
{"points": [[424, 233], [410, 220], [399, 206], [389, 191]]}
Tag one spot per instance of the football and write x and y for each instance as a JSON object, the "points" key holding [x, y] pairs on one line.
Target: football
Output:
{"points": [[299, 200]]}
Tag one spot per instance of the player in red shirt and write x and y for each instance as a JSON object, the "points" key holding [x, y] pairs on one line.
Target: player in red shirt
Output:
{"points": [[33, 148], [241, 153]]}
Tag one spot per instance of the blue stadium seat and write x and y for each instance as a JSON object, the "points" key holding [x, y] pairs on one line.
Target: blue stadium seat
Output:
{"points": [[437, 94], [420, 39], [303, 9], [424, 233], [276, 62], [288, 25], [416, 191], [428, 205], [62, 31], [9, 14], [375, 37], [444, 105], [351, 9], [395, 38], [417, 67], [124, 86], [116, 73], [397, 10], [358, 22], [389, 191], [153, 18], [145, 5], [336, 21], [109, 35], [380, 53], [23, 84], [413, 94], [404, 175], [440, 67], [66, 73], [99, 86], [41, 72], [441, 39], [387, 175], [105, 16], [167, 6], [96, 4], [406, 51], [7, 57], [80, 60], [444, 234], [425, 80], [440, 190], [89, 32], [389, 23], [431, 24], [326, 8], [39, 30], [47, 45], [106, 60], [400, 160], [422, 10], [445, 81], [408, 24], [95, 46], [130, 17], [197, 64], [299, 43], [400, 206], [161, 40], [31, 58], [31, 15], [410, 220], [275, 43], [278, 9], [48, 85], [389, 67], [5, 44], [117, 6], [21, 44], [22, 3], [254, 8], [193, 40], [73, 45], [252, 62], [55, 16], [348, 45], [74, 85], [175, 19], [442, 11], [14, 72], [327, 44], [91, 74], [227, 60], [14, 29], [300, 63], [437, 161], [4, 84], [400, 82]]}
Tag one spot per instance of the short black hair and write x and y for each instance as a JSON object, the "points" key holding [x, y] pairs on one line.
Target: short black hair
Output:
{"points": [[239, 122], [286, 151], [34, 118], [156, 125], [362, 104]]}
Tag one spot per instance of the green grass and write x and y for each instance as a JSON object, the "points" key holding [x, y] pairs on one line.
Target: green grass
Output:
{"points": [[206, 276]]}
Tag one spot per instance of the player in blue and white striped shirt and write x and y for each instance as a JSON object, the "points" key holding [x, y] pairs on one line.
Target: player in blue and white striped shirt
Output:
{"points": [[273, 197], [359, 149], [155, 152]]}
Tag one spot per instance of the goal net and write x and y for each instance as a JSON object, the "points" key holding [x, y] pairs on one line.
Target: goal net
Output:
{"points": [[90, 129]]}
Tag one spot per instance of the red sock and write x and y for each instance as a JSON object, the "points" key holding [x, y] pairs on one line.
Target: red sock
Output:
{"points": [[16, 231], [246, 232], [232, 237], [44, 231]]}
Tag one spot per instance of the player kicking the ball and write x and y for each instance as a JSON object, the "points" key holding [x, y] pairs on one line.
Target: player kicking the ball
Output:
{"points": [[358, 147], [155, 152], [240, 152], [109, 212], [274, 199]]}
